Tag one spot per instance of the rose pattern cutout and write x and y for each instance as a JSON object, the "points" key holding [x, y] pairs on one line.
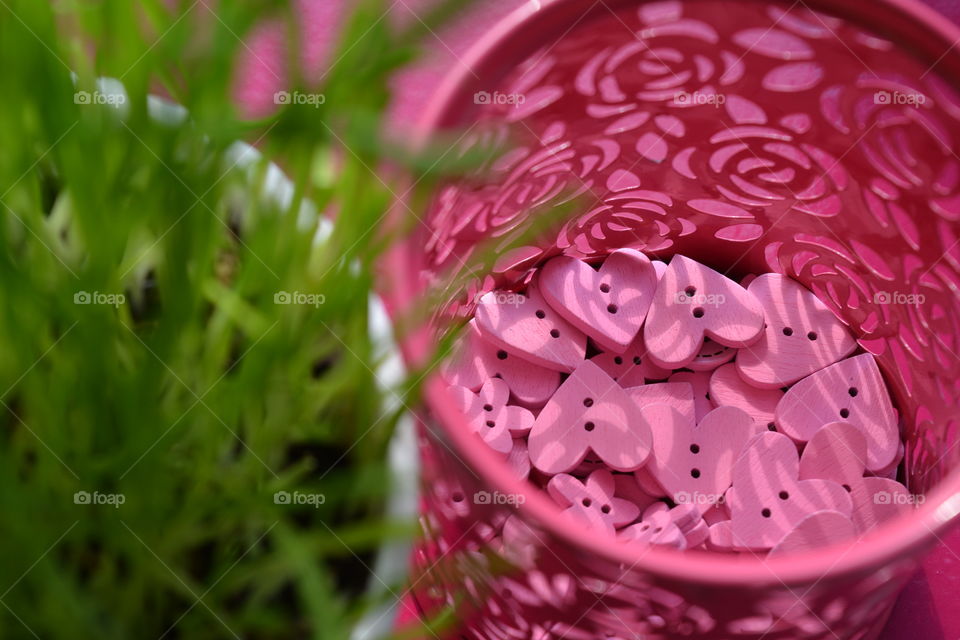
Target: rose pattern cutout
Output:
{"points": [[754, 165]]}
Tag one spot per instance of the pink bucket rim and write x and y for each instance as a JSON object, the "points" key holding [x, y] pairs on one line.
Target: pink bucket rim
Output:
{"points": [[909, 534]]}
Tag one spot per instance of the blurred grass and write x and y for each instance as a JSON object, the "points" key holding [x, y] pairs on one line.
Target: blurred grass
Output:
{"points": [[196, 397]]}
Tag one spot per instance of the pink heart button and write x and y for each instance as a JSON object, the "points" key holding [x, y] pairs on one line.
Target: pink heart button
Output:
{"points": [[693, 301], [593, 501], [817, 530], [475, 361], [801, 336], [694, 462], [589, 412], [838, 452], [633, 367], [490, 417], [609, 304], [768, 499], [526, 326], [851, 390]]}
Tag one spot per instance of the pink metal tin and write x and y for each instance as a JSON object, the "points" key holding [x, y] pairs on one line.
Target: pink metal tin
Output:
{"points": [[867, 219]]}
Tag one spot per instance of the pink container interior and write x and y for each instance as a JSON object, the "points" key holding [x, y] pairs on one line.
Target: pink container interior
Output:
{"points": [[800, 168]]}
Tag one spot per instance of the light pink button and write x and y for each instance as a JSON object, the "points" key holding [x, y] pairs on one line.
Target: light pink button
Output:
{"points": [[526, 326], [609, 304], [589, 412], [801, 336], [693, 301]]}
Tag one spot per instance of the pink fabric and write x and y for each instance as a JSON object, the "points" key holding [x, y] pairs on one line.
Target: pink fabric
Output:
{"points": [[928, 607]]}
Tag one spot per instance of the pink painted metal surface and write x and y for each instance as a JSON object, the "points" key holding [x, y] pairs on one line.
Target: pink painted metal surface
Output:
{"points": [[752, 139]]}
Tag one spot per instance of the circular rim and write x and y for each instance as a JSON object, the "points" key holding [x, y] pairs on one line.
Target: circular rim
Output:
{"points": [[914, 24]]}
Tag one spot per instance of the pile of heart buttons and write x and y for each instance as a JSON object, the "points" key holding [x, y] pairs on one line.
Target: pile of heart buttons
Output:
{"points": [[670, 405]]}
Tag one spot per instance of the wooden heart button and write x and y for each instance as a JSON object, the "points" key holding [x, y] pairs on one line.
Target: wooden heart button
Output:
{"points": [[711, 355], [475, 361], [727, 389], [490, 417], [851, 390], [838, 452], [815, 531], [589, 412], [526, 326], [608, 304], [628, 489], [593, 501], [687, 518], [678, 395], [693, 301], [801, 336], [633, 367], [700, 382], [694, 462], [656, 527], [768, 499]]}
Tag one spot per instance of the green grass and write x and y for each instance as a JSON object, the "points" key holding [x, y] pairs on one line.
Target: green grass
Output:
{"points": [[194, 396]]}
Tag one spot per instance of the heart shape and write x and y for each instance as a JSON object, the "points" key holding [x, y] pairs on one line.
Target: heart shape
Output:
{"points": [[475, 361], [802, 335], [817, 530], [694, 462], [633, 367], [593, 501], [589, 412], [838, 452], [727, 389], [489, 415], [693, 301], [687, 518], [609, 304], [768, 499], [526, 326], [851, 390], [658, 527]]}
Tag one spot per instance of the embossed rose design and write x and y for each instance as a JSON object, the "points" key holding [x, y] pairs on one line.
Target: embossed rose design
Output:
{"points": [[903, 130], [628, 216], [673, 59], [755, 165], [521, 181]]}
